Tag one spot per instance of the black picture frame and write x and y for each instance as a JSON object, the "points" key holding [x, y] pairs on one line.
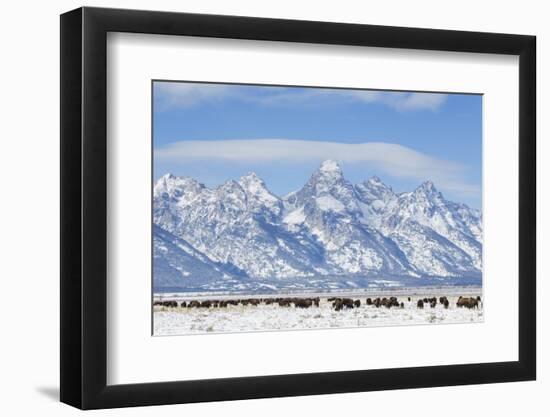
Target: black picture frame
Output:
{"points": [[84, 207]]}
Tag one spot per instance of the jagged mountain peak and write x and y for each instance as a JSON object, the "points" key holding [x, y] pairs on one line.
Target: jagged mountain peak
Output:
{"points": [[251, 177], [168, 176], [174, 180], [255, 187], [327, 190], [427, 187], [170, 185], [374, 189], [375, 180], [252, 182], [375, 183], [328, 172], [330, 166]]}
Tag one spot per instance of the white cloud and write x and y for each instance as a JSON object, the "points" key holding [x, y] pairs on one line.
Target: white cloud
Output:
{"points": [[392, 159], [405, 101], [185, 95], [189, 94], [401, 101]]}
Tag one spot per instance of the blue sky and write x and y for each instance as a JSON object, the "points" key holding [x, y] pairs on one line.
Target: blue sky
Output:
{"points": [[216, 132]]}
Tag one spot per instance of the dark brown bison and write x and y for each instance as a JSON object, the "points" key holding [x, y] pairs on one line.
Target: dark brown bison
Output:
{"points": [[357, 303], [285, 302], [420, 304], [390, 302], [445, 301], [193, 304], [348, 302], [369, 301], [338, 304], [303, 303], [468, 302], [184, 304], [171, 304]]}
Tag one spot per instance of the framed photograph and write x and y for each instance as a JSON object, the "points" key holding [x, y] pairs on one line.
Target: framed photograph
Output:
{"points": [[256, 208]]}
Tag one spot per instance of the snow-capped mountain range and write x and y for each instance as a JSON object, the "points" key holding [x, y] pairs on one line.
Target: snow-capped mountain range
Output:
{"points": [[328, 232]]}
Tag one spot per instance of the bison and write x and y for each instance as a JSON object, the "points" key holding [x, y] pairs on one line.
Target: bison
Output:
{"points": [[420, 304], [338, 304], [171, 304], [468, 302], [390, 302], [302, 303], [348, 302]]}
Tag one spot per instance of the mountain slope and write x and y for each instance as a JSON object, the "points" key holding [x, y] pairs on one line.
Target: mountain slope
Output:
{"points": [[177, 264]]}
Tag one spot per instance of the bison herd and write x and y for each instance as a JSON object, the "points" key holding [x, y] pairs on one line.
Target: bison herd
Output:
{"points": [[338, 303], [385, 302], [282, 302]]}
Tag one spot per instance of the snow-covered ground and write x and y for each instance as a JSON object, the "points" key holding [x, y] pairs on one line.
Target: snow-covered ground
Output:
{"points": [[184, 321]]}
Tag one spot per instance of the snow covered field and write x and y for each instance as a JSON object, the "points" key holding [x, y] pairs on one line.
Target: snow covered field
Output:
{"points": [[184, 321]]}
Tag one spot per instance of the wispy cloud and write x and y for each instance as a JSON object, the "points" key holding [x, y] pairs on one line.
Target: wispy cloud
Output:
{"points": [[169, 95], [185, 95], [400, 101], [392, 159]]}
